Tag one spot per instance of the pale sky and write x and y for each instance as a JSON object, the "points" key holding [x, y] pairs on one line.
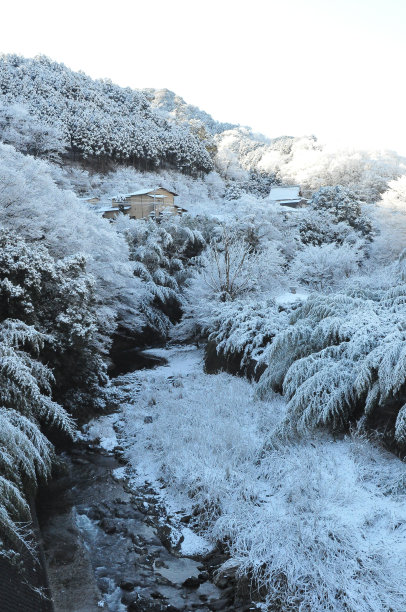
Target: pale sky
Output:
{"points": [[333, 68]]}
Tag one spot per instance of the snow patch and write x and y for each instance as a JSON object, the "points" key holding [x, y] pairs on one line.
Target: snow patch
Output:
{"points": [[193, 544]]}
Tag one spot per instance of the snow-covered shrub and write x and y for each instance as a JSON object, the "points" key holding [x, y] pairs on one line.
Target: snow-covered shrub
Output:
{"points": [[33, 206], [334, 214], [29, 134], [390, 220], [318, 524], [240, 332], [229, 270], [163, 254], [57, 298], [326, 266], [246, 327], [26, 408], [342, 359]]}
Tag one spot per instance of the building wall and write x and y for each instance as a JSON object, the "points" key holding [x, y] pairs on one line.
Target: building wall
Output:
{"points": [[143, 205]]}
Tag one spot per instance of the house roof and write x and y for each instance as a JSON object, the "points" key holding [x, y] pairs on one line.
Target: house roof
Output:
{"points": [[123, 196], [285, 192]]}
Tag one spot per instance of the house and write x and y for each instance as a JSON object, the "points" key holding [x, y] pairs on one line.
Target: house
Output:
{"points": [[143, 204], [288, 196]]}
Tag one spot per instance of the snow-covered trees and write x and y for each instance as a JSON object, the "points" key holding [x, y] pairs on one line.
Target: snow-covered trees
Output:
{"points": [[162, 254], [26, 408], [57, 299], [390, 219], [30, 134], [306, 162], [66, 227], [343, 359], [335, 214], [326, 266], [230, 273], [95, 118]]}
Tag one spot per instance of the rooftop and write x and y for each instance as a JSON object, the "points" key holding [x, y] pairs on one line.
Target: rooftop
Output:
{"points": [[123, 196], [285, 192]]}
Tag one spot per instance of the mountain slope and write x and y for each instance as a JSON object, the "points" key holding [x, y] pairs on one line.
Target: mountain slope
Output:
{"points": [[96, 118]]}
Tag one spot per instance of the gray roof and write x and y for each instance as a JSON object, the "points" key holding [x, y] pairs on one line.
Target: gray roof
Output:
{"points": [[143, 192]]}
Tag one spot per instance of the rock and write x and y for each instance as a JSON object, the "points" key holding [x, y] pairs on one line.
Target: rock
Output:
{"points": [[124, 512], [142, 605], [221, 582], [220, 604], [178, 570], [94, 513], [148, 419], [186, 519], [65, 554], [226, 572], [127, 584], [191, 583], [129, 598], [108, 526], [104, 584]]}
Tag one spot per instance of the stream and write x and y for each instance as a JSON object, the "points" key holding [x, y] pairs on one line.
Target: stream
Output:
{"points": [[108, 546]]}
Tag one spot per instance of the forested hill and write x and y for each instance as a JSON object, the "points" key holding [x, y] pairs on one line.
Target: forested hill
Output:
{"points": [[180, 111], [53, 109]]}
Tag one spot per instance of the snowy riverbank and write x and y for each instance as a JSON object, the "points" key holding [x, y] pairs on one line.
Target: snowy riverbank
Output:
{"points": [[318, 523]]}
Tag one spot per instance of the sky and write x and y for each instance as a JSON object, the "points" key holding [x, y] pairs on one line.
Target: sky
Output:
{"points": [[332, 68]]}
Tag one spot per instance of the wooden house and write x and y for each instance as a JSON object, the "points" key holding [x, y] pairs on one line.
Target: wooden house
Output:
{"points": [[144, 204], [288, 196]]}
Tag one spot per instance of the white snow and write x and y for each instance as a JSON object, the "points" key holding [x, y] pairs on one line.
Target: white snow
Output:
{"points": [[289, 298], [194, 544], [119, 473], [333, 510], [288, 192], [181, 360], [103, 430]]}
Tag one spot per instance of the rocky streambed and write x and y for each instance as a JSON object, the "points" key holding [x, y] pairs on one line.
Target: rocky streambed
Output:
{"points": [[111, 546]]}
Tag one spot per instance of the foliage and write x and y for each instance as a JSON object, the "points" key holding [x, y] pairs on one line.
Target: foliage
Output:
{"points": [[246, 327], [230, 270], [97, 118], [317, 524], [30, 134], [25, 405], [335, 214], [342, 358], [57, 298], [390, 220], [163, 254], [325, 267], [306, 162], [66, 228]]}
